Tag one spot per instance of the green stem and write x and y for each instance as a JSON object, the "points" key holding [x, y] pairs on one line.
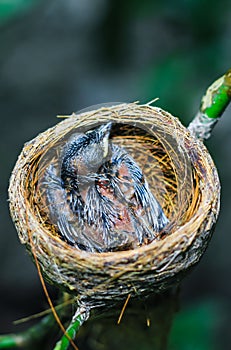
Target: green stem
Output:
{"points": [[30, 336], [213, 105], [80, 316], [9, 341], [217, 97]]}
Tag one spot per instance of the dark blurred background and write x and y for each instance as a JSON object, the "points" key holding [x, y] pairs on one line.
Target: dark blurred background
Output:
{"points": [[59, 56]]}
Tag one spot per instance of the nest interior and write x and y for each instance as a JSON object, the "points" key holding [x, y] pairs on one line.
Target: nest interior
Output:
{"points": [[181, 175]]}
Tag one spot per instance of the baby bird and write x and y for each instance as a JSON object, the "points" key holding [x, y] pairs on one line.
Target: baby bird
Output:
{"points": [[110, 204]]}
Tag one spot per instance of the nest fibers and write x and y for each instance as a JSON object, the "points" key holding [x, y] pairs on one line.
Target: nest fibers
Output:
{"points": [[180, 174]]}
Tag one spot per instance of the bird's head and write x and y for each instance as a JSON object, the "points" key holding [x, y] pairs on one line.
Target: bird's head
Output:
{"points": [[86, 153], [97, 147]]}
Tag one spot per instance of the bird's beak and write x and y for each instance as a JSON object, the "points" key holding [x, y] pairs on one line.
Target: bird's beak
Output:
{"points": [[104, 132]]}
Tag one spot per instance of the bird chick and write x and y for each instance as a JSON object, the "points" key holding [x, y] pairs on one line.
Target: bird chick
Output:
{"points": [[112, 207]]}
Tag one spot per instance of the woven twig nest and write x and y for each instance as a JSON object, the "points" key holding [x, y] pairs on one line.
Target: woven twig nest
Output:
{"points": [[180, 174]]}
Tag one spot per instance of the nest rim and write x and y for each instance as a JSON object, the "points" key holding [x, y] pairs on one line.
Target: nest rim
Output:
{"points": [[115, 271]]}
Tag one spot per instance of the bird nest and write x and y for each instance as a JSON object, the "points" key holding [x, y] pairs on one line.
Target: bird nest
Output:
{"points": [[180, 174]]}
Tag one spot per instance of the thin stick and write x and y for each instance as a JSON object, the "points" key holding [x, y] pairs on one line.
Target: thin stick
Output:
{"points": [[30, 336], [48, 297], [213, 105], [80, 316], [123, 308], [43, 313]]}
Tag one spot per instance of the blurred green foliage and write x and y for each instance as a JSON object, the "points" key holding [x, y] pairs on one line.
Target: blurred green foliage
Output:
{"points": [[123, 51], [11, 8], [178, 44], [196, 327]]}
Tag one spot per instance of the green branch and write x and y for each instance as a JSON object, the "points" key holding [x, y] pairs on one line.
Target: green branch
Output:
{"points": [[30, 336], [39, 331], [213, 105], [80, 316]]}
